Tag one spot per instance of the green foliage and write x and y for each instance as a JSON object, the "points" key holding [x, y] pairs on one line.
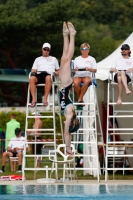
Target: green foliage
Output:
{"points": [[26, 25], [21, 117], [5, 117]]}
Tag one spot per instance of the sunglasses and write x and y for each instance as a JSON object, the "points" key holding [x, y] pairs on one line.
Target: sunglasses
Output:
{"points": [[83, 49], [46, 49], [124, 49]]}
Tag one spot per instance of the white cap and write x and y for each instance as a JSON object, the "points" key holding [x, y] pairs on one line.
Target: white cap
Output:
{"points": [[46, 45], [36, 113]]}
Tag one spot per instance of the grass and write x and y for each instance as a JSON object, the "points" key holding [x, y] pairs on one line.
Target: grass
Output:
{"points": [[42, 174]]}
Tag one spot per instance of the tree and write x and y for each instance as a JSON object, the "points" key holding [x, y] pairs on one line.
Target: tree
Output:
{"points": [[26, 24]]}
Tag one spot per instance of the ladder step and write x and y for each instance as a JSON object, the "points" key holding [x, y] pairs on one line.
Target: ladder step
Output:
{"points": [[87, 129], [120, 142], [120, 116], [84, 133], [41, 109], [87, 168], [121, 111], [41, 104], [100, 143], [83, 155], [83, 142], [43, 140], [89, 116], [88, 111], [40, 84], [121, 145], [120, 129], [121, 133], [41, 129], [36, 169], [34, 135], [120, 155], [35, 156], [84, 103], [114, 83], [123, 103], [123, 168], [39, 142], [42, 117]]}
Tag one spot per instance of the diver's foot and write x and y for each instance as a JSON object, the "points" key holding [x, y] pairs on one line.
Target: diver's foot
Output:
{"points": [[65, 29], [128, 92], [70, 154], [71, 28], [119, 101]]}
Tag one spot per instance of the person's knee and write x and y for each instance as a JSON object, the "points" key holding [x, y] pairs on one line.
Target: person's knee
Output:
{"points": [[48, 80], [32, 80], [19, 154], [87, 80], [4, 154], [86, 83], [119, 79], [76, 82]]}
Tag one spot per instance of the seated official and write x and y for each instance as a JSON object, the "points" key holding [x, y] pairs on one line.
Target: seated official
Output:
{"points": [[84, 65], [15, 149], [42, 69], [123, 66]]}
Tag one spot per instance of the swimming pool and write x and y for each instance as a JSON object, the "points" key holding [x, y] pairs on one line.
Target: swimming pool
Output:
{"points": [[66, 192]]}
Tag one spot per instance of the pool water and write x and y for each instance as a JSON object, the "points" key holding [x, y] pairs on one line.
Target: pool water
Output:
{"points": [[66, 192]]}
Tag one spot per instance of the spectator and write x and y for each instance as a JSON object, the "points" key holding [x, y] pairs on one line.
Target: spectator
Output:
{"points": [[123, 67], [65, 84], [42, 69], [84, 65], [15, 149], [10, 128], [37, 134], [2, 137]]}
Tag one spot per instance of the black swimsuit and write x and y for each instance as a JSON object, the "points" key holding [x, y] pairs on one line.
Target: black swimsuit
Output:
{"points": [[65, 99]]}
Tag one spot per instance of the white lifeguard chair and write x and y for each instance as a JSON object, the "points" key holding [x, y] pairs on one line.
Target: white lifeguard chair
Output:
{"points": [[49, 133], [124, 115], [90, 131]]}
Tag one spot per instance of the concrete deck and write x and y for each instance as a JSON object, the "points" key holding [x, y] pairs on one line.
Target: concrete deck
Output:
{"points": [[74, 182]]}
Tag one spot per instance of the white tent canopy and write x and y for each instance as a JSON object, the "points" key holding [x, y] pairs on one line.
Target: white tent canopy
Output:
{"points": [[104, 65]]}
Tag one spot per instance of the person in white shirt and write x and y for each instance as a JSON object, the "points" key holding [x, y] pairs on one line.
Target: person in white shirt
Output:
{"points": [[42, 69], [84, 65], [15, 149], [123, 67]]}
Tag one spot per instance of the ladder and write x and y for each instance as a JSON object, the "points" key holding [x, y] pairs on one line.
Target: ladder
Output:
{"points": [[47, 131], [90, 132], [124, 114]]}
